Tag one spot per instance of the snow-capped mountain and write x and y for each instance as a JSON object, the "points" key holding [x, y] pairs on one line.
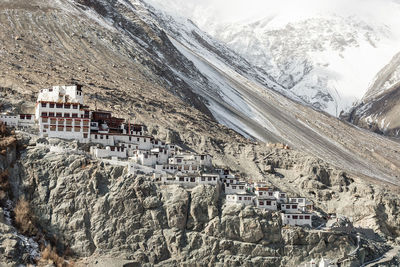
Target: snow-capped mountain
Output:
{"points": [[325, 53], [326, 61]]}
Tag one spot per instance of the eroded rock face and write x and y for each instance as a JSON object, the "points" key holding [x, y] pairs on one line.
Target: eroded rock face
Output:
{"points": [[97, 209]]}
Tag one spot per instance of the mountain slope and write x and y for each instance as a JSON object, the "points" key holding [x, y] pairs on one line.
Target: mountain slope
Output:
{"points": [[380, 108], [139, 60]]}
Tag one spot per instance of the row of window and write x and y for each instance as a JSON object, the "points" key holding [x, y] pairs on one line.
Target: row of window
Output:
{"points": [[59, 105], [67, 122], [287, 206], [265, 193], [301, 217], [61, 128], [240, 187], [66, 115], [245, 198], [268, 203]]}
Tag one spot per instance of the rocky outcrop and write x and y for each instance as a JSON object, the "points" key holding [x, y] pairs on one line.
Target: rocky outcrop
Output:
{"points": [[95, 209]]}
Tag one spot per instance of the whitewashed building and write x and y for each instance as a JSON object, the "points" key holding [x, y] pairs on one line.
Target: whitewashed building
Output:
{"points": [[235, 188], [60, 113], [298, 219], [191, 159], [290, 207], [109, 151], [281, 197], [245, 199], [266, 203], [21, 120]]}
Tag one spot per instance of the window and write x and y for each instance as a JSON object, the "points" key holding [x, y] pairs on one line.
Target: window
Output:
{"points": [[209, 178], [85, 130], [44, 105], [67, 106], [179, 160], [301, 217], [74, 106], [241, 187], [85, 135], [95, 136], [53, 121], [270, 193], [300, 200], [58, 105], [46, 126], [52, 128], [77, 129], [294, 206], [51, 105], [101, 137], [44, 114], [112, 148], [261, 202], [138, 139], [192, 179], [59, 114], [144, 140], [68, 129], [181, 179], [60, 128], [51, 114], [68, 122], [268, 203], [233, 186], [240, 198], [130, 138], [295, 217], [203, 179], [106, 136], [307, 217], [74, 115]]}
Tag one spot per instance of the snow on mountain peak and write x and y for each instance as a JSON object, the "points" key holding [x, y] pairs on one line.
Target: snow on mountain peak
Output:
{"points": [[324, 52]]}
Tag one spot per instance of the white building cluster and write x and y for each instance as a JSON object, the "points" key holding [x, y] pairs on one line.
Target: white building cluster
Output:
{"points": [[294, 210], [60, 112]]}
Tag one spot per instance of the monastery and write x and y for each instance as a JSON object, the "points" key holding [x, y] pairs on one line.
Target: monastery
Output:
{"points": [[60, 112]]}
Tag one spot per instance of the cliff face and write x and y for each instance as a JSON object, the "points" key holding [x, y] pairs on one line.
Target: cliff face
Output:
{"points": [[96, 212]]}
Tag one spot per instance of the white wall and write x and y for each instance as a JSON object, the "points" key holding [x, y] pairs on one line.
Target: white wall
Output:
{"points": [[296, 219], [262, 204], [107, 152], [235, 188]]}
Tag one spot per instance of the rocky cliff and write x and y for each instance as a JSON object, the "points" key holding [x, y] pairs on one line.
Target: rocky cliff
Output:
{"points": [[92, 212]]}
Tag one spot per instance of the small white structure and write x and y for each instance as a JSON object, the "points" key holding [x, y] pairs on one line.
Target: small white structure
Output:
{"points": [[297, 218], [266, 203], [245, 199], [191, 179], [191, 159], [290, 207], [178, 168], [60, 113], [235, 188], [263, 190], [108, 151], [281, 197], [21, 120]]}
